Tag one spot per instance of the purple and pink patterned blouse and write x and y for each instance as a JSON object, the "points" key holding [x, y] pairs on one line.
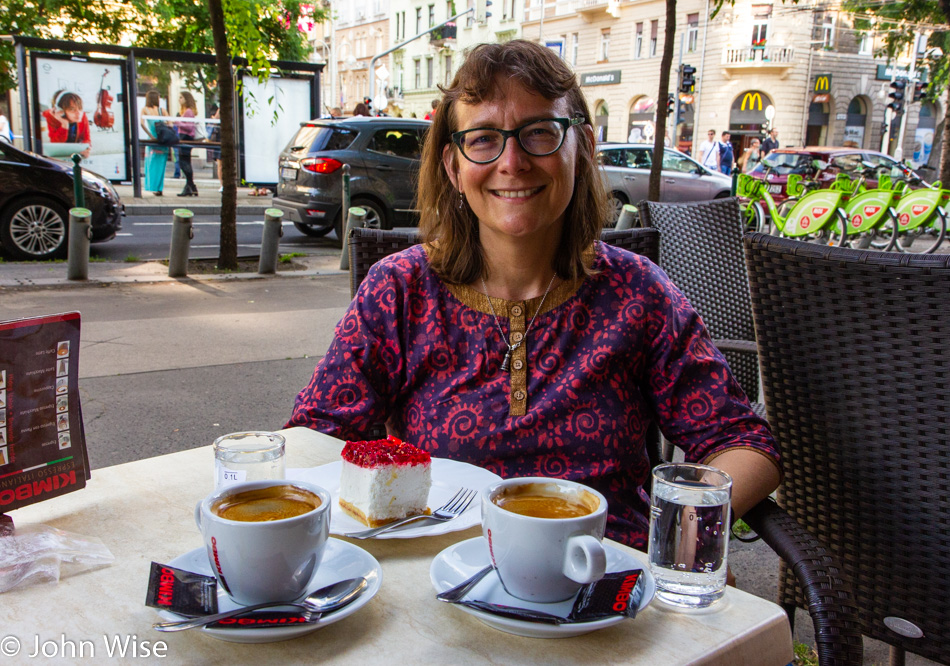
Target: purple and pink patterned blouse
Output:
{"points": [[607, 355]]}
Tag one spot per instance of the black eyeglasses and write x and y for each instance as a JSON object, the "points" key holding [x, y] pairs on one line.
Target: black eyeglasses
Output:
{"points": [[483, 145]]}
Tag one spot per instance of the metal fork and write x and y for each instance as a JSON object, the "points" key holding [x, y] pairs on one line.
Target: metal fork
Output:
{"points": [[451, 509]]}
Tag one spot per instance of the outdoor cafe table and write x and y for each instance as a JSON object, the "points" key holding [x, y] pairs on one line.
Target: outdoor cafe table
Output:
{"points": [[144, 512]]}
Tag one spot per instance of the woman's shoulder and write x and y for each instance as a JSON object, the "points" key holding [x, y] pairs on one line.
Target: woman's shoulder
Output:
{"points": [[402, 267], [617, 264]]}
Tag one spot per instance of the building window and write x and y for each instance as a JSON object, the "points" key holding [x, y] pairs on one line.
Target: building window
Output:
{"points": [[654, 32], [418, 67], [692, 32], [431, 16], [574, 47], [605, 44], [761, 16], [638, 42], [430, 73], [418, 20], [448, 71], [828, 32]]}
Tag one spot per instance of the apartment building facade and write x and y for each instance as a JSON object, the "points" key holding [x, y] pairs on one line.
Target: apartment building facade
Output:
{"points": [[801, 68]]}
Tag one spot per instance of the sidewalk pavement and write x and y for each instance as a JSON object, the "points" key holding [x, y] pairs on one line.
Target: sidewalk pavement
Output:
{"points": [[26, 274]]}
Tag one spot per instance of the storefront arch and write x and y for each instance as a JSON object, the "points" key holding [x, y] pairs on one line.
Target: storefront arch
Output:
{"points": [[924, 134], [747, 117], [601, 120], [641, 121], [856, 122]]}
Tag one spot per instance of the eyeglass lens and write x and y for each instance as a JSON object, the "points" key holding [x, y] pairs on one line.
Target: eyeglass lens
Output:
{"points": [[541, 138]]}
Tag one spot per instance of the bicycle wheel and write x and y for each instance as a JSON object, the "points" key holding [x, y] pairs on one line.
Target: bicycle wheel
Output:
{"points": [[837, 234], [756, 219], [925, 239], [884, 236]]}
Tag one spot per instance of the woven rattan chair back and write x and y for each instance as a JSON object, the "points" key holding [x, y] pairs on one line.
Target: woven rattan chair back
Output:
{"points": [[701, 251], [367, 246], [856, 375]]}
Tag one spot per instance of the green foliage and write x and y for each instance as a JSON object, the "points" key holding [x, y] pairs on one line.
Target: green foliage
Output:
{"points": [[804, 655], [132, 259], [899, 23]]}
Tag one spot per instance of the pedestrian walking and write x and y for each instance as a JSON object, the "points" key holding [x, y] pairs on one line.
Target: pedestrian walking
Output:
{"points": [[709, 152], [770, 143]]}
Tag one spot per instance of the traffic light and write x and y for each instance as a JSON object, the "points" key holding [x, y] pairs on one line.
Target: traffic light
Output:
{"points": [[670, 104], [687, 78], [920, 90], [897, 95], [481, 10]]}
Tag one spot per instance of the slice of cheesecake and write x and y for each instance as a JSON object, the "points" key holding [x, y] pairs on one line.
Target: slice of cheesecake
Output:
{"points": [[384, 480]]}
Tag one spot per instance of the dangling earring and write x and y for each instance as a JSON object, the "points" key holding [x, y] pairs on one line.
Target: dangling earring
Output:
{"points": [[461, 200]]}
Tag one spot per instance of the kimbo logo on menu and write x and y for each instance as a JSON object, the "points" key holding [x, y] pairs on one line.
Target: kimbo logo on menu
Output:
{"points": [[35, 488]]}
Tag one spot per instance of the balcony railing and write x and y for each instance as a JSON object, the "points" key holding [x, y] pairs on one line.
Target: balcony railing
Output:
{"points": [[441, 36], [758, 56]]}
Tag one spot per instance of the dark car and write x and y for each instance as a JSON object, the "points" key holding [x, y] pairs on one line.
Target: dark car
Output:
{"points": [[36, 194], [627, 167], [383, 155], [823, 164]]}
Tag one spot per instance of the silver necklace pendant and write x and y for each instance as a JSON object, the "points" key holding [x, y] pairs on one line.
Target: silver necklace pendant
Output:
{"points": [[504, 363]]}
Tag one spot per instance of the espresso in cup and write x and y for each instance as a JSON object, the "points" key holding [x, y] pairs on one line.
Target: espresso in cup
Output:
{"points": [[265, 539], [268, 503], [546, 501], [544, 536]]}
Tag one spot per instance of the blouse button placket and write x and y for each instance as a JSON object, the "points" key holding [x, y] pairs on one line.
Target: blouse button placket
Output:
{"points": [[518, 321]]}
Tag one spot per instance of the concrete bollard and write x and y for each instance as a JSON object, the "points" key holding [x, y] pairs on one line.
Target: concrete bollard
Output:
{"points": [[182, 234], [80, 231], [355, 218], [628, 216], [270, 241]]}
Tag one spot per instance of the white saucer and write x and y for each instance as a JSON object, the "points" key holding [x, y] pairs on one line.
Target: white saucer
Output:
{"points": [[341, 560], [461, 561], [447, 477]]}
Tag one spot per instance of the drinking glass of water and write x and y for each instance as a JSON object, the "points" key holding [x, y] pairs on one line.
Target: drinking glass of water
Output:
{"points": [[248, 456], [689, 533]]}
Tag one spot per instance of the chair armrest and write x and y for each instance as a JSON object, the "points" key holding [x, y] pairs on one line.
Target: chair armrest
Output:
{"points": [[831, 602], [746, 346]]}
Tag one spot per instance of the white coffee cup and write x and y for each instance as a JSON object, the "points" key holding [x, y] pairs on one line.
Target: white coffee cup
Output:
{"points": [[545, 559], [267, 560]]}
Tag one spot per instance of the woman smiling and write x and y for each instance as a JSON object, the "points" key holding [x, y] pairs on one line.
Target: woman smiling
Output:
{"points": [[512, 338]]}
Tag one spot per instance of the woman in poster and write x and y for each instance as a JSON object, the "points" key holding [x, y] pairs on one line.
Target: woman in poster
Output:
{"points": [[155, 156], [66, 122], [187, 131]]}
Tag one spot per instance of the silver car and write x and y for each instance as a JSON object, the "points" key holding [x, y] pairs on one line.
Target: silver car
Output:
{"points": [[627, 170]]}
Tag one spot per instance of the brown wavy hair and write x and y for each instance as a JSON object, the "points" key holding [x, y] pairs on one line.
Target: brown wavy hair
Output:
{"points": [[452, 233]]}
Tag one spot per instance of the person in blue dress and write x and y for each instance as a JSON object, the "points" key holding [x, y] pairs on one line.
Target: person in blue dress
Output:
{"points": [[155, 156]]}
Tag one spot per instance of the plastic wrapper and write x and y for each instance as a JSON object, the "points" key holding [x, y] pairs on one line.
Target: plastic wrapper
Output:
{"points": [[36, 554]]}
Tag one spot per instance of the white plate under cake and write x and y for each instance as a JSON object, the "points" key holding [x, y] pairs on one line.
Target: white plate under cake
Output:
{"points": [[447, 477]]}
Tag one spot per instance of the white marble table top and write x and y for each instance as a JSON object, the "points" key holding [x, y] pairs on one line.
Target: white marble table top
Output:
{"points": [[143, 511]]}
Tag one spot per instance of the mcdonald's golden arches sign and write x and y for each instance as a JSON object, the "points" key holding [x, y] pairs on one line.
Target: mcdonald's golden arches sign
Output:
{"points": [[751, 101], [822, 83]]}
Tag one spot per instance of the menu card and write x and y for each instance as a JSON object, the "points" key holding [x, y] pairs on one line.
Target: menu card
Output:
{"points": [[42, 443]]}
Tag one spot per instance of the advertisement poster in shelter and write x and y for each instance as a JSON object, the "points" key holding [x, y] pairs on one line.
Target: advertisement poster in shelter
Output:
{"points": [[42, 442], [272, 114], [79, 106]]}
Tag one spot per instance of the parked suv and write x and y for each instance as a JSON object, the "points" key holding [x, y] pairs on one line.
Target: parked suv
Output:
{"points": [[627, 167], [384, 156], [36, 194], [823, 164]]}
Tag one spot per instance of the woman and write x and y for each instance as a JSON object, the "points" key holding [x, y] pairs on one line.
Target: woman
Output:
{"points": [[512, 339], [751, 157], [214, 136], [155, 156], [187, 131]]}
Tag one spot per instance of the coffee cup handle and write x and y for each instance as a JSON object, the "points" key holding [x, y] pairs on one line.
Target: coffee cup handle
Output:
{"points": [[585, 560]]}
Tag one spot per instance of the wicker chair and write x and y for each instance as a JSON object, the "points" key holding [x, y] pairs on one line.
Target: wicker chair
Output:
{"points": [[367, 246], [856, 376], [701, 251]]}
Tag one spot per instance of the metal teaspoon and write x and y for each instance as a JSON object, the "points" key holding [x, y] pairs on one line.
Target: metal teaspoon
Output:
{"points": [[324, 600]]}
